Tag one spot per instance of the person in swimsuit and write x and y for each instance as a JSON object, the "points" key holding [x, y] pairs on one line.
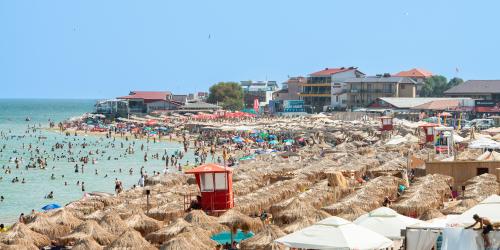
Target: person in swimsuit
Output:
{"points": [[484, 224]]}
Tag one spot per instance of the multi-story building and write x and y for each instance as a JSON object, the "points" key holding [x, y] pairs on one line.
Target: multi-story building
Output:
{"points": [[261, 90], [148, 101], [363, 91], [319, 87], [418, 75], [290, 89]]}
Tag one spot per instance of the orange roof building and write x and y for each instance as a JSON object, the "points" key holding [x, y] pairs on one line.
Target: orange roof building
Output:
{"points": [[415, 73]]}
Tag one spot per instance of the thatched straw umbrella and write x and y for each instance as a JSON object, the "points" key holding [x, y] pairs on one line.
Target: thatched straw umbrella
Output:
{"points": [[113, 223], [264, 240], [142, 223], [298, 225], [18, 247], [167, 212], [90, 229], [234, 219], [66, 218], [97, 215], [189, 240], [351, 213], [86, 244], [168, 232], [130, 239], [431, 214], [460, 207], [31, 217], [44, 226], [200, 219], [297, 209], [21, 235]]}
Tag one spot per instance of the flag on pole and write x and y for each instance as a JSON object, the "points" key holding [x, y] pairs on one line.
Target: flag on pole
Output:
{"points": [[256, 105]]}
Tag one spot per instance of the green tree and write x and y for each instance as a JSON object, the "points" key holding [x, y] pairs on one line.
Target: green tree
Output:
{"points": [[454, 82], [230, 94], [434, 86]]}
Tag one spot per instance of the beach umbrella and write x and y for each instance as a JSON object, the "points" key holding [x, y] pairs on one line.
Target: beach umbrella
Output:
{"points": [[226, 236], [264, 240], [289, 141], [200, 219], [113, 223], [484, 143], [64, 217], [190, 240], [130, 239], [259, 140], [235, 219], [51, 206], [166, 233], [431, 214], [88, 229], [273, 142], [43, 225], [335, 233], [86, 243], [488, 208], [386, 222], [20, 234]]}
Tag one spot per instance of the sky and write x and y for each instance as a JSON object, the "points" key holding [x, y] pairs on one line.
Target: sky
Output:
{"points": [[104, 49]]}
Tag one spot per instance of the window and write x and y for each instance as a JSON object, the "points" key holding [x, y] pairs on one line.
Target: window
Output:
{"points": [[207, 182], [220, 181], [481, 171], [337, 98]]}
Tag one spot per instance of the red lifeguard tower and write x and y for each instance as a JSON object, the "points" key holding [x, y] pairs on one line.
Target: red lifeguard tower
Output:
{"points": [[387, 124], [429, 131], [216, 187]]}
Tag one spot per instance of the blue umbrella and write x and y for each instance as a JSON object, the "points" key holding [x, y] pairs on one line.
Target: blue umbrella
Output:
{"points": [[273, 142], [51, 206], [225, 237], [259, 140]]}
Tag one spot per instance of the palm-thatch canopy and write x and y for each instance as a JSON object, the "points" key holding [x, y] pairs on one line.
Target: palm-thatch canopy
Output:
{"points": [[351, 213], [431, 214], [86, 244], [235, 219], [130, 239], [187, 240], [21, 235], [298, 209], [88, 229], [64, 217], [264, 240], [170, 231], [97, 215], [297, 225], [113, 223], [459, 207], [43, 225], [18, 247], [142, 223], [198, 218], [482, 186]]}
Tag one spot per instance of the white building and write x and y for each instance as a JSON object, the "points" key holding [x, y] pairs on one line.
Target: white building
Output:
{"points": [[261, 90]]}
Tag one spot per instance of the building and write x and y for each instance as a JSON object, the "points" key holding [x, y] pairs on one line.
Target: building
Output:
{"points": [[198, 106], [418, 103], [477, 89], [290, 89], [149, 101], [112, 108], [198, 96], [179, 98], [261, 90], [418, 75], [364, 90], [326, 88]]}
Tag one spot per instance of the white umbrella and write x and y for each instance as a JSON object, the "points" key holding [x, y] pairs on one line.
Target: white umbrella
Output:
{"points": [[386, 222], [488, 208], [335, 233], [484, 143]]}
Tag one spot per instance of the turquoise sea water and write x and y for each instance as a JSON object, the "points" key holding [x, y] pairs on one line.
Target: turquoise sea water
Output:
{"points": [[21, 197]]}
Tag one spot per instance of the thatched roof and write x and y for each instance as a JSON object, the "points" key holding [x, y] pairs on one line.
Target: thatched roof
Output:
{"points": [[18, 247], [97, 215], [297, 209], [200, 219], [130, 239], [21, 235], [170, 231], [188, 240], [459, 207], [90, 229], [44, 226], [431, 214], [235, 219], [86, 244], [264, 240], [167, 212], [297, 225], [351, 213], [113, 223], [482, 186], [142, 223], [64, 217]]}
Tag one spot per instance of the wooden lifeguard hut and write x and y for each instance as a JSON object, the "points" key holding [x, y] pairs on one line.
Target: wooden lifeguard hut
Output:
{"points": [[387, 124], [216, 187], [429, 131]]}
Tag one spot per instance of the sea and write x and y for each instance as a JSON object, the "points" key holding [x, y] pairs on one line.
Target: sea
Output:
{"points": [[23, 197]]}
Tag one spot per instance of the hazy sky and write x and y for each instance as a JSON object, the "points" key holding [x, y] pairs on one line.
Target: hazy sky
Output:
{"points": [[104, 48]]}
